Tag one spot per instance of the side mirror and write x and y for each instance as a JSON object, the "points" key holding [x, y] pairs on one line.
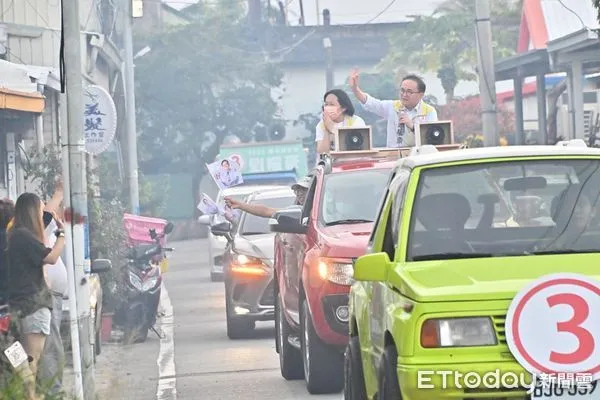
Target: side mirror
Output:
{"points": [[101, 265], [169, 228], [222, 229], [372, 267], [288, 220], [204, 219]]}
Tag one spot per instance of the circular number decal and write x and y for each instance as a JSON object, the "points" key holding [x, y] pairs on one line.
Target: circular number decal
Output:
{"points": [[553, 325]]}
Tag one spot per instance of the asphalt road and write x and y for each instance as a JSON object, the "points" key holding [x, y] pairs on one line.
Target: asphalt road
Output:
{"points": [[195, 360]]}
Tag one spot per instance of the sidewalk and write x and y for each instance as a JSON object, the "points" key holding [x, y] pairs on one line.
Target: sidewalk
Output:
{"points": [[108, 383]]}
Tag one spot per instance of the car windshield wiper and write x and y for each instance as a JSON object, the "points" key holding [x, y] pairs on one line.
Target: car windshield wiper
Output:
{"points": [[449, 256], [565, 251], [348, 221], [254, 233]]}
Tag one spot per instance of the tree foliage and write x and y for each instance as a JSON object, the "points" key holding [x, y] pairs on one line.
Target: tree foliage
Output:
{"points": [[465, 115], [42, 169], [446, 42], [199, 84]]}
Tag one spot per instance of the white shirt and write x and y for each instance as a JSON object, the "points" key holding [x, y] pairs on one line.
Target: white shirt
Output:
{"points": [[355, 120], [388, 109], [57, 273]]}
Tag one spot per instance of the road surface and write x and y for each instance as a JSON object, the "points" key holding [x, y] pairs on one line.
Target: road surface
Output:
{"points": [[195, 360]]}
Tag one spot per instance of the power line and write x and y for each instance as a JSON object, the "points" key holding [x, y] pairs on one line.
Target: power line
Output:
{"points": [[381, 12], [583, 25]]}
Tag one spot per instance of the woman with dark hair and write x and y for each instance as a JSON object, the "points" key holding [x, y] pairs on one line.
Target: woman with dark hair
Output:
{"points": [[30, 299], [338, 112]]}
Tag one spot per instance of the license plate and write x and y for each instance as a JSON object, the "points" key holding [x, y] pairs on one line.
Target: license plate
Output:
{"points": [[589, 391], [16, 354]]}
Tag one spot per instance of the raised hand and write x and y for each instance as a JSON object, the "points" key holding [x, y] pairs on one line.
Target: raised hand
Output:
{"points": [[353, 80]]}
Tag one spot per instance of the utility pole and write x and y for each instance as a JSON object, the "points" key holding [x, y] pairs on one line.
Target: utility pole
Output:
{"points": [[318, 12], [302, 21], [132, 160], [328, 45], [75, 202], [487, 80]]}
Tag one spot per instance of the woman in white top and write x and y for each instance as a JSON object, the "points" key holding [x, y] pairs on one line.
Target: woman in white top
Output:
{"points": [[338, 111]]}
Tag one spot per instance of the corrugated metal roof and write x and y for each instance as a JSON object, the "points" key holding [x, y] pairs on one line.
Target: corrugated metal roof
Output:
{"points": [[564, 17], [14, 77]]}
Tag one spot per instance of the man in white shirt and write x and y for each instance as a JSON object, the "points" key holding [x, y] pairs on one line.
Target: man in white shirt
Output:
{"points": [[53, 358], [401, 115]]}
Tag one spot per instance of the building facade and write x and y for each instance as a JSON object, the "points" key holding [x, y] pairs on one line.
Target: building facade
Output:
{"points": [[32, 106]]}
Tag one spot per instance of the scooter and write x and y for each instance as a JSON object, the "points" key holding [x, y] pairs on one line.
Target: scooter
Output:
{"points": [[143, 280]]}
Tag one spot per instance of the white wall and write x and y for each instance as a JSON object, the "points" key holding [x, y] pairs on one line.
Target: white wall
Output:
{"points": [[530, 110], [530, 114]]}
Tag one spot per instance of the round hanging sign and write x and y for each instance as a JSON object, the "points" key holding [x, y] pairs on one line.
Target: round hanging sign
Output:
{"points": [[100, 119]]}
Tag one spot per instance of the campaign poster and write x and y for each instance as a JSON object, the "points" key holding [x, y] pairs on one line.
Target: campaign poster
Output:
{"points": [[226, 173]]}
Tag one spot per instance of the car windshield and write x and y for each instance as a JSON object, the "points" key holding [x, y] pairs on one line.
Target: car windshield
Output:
{"points": [[506, 209], [253, 225], [352, 197]]}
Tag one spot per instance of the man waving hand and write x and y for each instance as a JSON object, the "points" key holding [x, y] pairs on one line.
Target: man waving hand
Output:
{"points": [[401, 115]]}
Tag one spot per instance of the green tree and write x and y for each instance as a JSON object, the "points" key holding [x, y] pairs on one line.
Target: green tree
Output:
{"points": [[199, 84], [445, 42]]}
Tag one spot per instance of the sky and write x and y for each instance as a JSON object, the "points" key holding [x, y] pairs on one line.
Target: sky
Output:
{"points": [[348, 11]]}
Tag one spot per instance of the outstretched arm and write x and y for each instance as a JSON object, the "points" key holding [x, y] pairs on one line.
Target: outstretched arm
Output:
{"points": [[255, 209], [53, 205]]}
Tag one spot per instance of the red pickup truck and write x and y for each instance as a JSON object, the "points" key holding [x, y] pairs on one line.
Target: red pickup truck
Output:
{"points": [[315, 247]]}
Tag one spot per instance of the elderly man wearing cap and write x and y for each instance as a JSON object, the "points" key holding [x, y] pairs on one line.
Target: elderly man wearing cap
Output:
{"points": [[300, 188]]}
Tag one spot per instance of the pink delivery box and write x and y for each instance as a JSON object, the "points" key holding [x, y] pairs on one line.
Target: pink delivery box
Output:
{"points": [[137, 229]]}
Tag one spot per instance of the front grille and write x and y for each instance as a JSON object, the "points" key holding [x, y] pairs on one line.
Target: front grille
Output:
{"points": [[268, 297], [499, 323]]}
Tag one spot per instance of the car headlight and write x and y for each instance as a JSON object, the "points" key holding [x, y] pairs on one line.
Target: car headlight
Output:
{"points": [[150, 283], [247, 265], [458, 332], [136, 281], [336, 271]]}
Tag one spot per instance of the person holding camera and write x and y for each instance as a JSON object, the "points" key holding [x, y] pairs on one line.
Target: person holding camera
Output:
{"points": [[338, 112], [401, 115]]}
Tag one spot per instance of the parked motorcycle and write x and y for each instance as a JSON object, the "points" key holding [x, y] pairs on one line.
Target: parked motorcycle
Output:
{"points": [[142, 278]]}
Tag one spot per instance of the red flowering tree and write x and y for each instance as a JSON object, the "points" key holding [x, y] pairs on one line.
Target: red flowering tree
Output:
{"points": [[465, 115]]}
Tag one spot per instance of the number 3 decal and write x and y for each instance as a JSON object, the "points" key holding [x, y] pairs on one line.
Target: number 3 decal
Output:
{"points": [[581, 311], [552, 325]]}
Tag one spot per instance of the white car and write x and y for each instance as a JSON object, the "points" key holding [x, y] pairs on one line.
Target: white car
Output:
{"points": [[217, 244]]}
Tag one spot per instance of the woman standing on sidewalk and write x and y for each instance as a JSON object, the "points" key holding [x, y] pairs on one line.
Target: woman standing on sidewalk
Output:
{"points": [[29, 296]]}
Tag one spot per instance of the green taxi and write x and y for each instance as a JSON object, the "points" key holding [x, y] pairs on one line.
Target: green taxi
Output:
{"points": [[458, 234]]}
